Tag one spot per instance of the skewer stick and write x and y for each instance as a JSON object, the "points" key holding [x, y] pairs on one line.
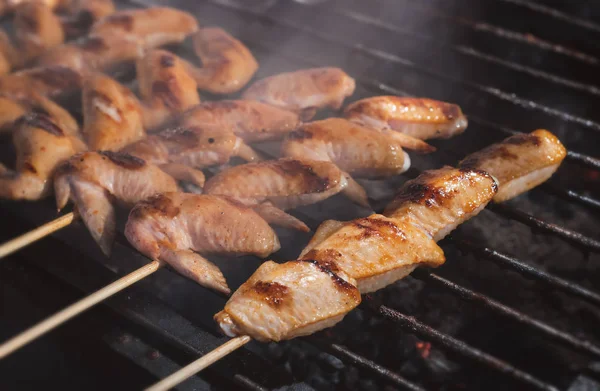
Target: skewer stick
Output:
{"points": [[26, 239], [76, 308], [191, 369]]}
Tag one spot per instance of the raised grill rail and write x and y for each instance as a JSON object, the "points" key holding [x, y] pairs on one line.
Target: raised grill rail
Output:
{"points": [[284, 32]]}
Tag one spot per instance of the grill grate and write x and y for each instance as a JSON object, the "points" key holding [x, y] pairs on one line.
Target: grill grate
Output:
{"points": [[257, 36]]}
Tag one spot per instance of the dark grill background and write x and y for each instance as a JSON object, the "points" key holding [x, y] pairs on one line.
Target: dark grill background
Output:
{"points": [[513, 65]]}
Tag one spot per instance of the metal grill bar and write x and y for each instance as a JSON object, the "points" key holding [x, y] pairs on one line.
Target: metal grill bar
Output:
{"points": [[528, 270], [467, 294], [345, 354], [412, 325], [570, 195]]}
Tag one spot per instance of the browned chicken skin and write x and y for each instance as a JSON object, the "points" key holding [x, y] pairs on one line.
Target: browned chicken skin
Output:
{"points": [[48, 81], [227, 64], [304, 91], [95, 180], [419, 118], [165, 86], [112, 114], [7, 6], [519, 163], [178, 227], [41, 144], [250, 120], [273, 186]]}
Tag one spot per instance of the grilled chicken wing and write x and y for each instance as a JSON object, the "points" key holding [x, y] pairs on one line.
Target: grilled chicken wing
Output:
{"points": [[420, 118], [175, 227], [437, 201], [46, 81], [84, 13], [304, 91], [165, 86], [195, 147], [276, 185], [153, 27], [93, 180], [520, 162], [376, 251], [111, 112], [249, 119], [287, 301], [41, 144], [227, 65], [37, 29]]}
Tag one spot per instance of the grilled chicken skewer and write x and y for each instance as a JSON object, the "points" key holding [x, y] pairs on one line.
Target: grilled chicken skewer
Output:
{"points": [[419, 118], [178, 227], [273, 186], [304, 91], [94, 180]]}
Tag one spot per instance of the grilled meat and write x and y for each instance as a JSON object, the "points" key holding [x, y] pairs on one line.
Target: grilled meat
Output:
{"points": [[48, 81], [227, 65], [37, 29], [165, 86], [437, 201], [7, 6], [111, 112], [12, 109], [93, 180], [41, 144], [153, 27], [304, 91], [520, 162], [175, 227], [250, 120], [287, 301], [83, 14], [376, 251], [194, 146], [420, 118], [277, 185]]}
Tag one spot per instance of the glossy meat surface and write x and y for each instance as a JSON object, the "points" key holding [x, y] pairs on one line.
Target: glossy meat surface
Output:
{"points": [[304, 91], [47, 81], [41, 144], [175, 226], [438, 201], [111, 112], [95, 180], [421, 118], [520, 162], [249, 119], [227, 64], [375, 251], [289, 300], [354, 148]]}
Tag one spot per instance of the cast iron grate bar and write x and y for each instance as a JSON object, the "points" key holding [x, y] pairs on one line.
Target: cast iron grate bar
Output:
{"points": [[528, 270], [412, 325], [567, 339], [392, 58]]}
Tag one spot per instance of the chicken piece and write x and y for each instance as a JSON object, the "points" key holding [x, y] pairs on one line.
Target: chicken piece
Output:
{"points": [[376, 251], [84, 13], [287, 301], [420, 118], [93, 180], [8, 55], [250, 120], [37, 29], [175, 227], [356, 149], [93, 53], [8, 6], [277, 185], [520, 162], [111, 112], [165, 86], [227, 65], [47, 81], [153, 27], [195, 146], [12, 109], [41, 144], [304, 91], [437, 201]]}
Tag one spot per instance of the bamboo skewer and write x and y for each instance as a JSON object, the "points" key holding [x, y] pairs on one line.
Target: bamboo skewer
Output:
{"points": [[76, 308], [28, 238], [208, 359]]}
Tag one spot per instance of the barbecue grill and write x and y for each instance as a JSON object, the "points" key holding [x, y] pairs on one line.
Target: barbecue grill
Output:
{"points": [[516, 305]]}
